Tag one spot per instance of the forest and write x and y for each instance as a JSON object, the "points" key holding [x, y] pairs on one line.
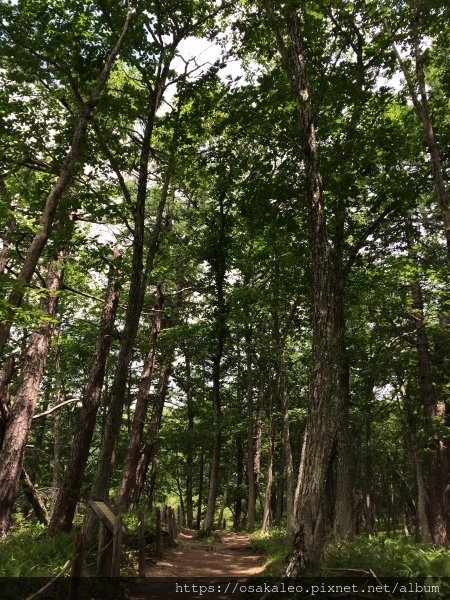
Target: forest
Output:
{"points": [[225, 241]]}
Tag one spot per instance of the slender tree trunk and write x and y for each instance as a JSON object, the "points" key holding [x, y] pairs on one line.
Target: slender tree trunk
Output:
{"points": [[266, 519], [65, 175], [239, 481], [201, 475], [344, 524], [69, 492], [251, 476], [155, 422], [145, 451], [34, 498], [135, 301], [19, 419], [190, 447], [219, 269], [309, 540], [223, 502], [140, 411], [421, 105], [433, 407], [7, 236], [57, 442]]}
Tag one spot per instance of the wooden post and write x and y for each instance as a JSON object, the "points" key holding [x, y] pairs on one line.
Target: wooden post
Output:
{"points": [[116, 548], [175, 525], [141, 543], [158, 533], [77, 567], [171, 526], [105, 552]]}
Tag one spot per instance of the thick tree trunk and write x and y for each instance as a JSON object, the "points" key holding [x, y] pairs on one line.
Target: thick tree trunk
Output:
{"points": [[19, 419], [219, 270], [124, 498], [309, 540], [69, 493], [5, 395], [40, 239]]}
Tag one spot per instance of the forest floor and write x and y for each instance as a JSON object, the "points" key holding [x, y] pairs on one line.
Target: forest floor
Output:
{"points": [[233, 556]]}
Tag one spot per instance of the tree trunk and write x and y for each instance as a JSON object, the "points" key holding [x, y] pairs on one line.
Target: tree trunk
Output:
{"points": [[69, 493], [19, 420], [5, 381], [34, 498], [190, 446], [219, 269], [155, 422], [433, 407], [309, 540], [140, 412], [269, 477], [239, 481], [200, 487], [251, 475], [135, 301], [344, 525], [421, 105], [65, 175]]}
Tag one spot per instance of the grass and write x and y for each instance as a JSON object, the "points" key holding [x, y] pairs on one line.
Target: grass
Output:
{"points": [[275, 546]]}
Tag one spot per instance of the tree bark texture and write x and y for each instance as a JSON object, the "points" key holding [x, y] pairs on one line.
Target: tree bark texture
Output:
{"points": [[309, 538], [26, 397]]}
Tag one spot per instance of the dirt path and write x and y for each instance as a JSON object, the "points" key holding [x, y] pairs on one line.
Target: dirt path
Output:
{"points": [[233, 556], [197, 561]]}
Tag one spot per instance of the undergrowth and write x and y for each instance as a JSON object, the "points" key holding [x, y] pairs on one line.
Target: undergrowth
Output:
{"points": [[385, 556], [209, 537], [275, 546], [26, 552], [398, 556]]}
